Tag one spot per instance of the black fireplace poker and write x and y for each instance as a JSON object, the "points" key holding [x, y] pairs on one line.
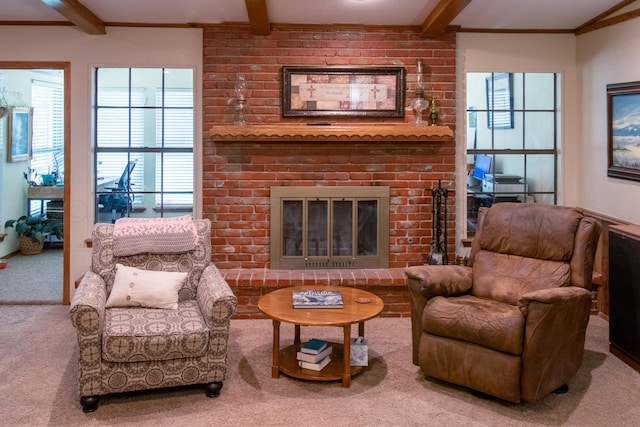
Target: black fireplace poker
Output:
{"points": [[438, 254]]}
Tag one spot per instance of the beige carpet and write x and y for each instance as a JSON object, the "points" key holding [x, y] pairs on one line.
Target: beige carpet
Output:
{"points": [[33, 279], [38, 385]]}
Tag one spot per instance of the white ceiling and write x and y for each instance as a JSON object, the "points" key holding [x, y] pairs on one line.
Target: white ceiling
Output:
{"points": [[484, 14]]}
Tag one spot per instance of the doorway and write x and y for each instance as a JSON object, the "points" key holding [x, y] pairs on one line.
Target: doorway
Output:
{"points": [[13, 188]]}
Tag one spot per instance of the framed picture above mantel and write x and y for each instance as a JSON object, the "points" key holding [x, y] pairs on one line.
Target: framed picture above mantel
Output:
{"points": [[623, 106], [343, 91]]}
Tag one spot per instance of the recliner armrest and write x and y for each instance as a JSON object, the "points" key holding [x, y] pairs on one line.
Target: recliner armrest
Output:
{"points": [[557, 296], [216, 300], [427, 281], [556, 321], [442, 280]]}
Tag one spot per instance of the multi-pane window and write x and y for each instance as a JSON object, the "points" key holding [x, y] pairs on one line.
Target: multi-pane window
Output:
{"points": [[512, 139], [144, 134]]}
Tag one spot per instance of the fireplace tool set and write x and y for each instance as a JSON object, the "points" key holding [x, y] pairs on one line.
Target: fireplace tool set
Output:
{"points": [[438, 254]]}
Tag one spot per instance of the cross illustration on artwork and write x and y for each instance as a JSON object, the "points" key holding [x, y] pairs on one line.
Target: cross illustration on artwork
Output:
{"points": [[311, 90]]}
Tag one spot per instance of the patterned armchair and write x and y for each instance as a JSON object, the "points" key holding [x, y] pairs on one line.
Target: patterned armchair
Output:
{"points": [[137, 348]]}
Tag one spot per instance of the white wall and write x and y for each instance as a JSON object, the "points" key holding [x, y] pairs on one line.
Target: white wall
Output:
{"points": [[609, 55], [521, 53], [128, 47], [13, 199]]}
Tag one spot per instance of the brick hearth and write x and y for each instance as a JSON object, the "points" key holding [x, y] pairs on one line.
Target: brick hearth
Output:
{"points": [[249, 285]]}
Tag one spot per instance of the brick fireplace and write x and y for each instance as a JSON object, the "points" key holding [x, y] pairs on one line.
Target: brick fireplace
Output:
{"points": [[239, 170]]}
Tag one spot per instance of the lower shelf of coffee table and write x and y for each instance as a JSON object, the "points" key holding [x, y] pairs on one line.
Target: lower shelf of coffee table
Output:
{"points": [[332, 372]]}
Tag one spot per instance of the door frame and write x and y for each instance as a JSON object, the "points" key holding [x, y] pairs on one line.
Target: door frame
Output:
{"points": [[66, 68]]}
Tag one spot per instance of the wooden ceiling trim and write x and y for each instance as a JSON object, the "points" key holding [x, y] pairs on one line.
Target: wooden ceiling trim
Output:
{"points": [[38, 23], [514, 31], [441, 16], [79, 15], [258, 17]]}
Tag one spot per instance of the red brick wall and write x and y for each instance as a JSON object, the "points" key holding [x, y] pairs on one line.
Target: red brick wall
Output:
{"points": [[237, 176]]}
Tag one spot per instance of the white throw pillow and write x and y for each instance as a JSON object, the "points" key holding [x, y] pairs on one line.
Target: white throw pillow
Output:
{"points": [[133, 287]]}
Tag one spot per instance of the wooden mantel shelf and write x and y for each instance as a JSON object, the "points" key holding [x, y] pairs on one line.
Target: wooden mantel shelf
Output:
{"points": [[296, 132]]}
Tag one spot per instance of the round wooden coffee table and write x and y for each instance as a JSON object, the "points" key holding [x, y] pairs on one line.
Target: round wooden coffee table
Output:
{"points": [[278, 305]]}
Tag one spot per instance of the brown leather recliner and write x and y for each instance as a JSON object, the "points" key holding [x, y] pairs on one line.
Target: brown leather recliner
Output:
{"points": [[512, 323]]}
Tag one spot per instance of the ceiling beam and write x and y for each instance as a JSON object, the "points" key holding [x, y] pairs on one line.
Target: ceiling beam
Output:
{"points": [[258, 17], [79, 15], [632, 14], [595, 23], [441, 16]]}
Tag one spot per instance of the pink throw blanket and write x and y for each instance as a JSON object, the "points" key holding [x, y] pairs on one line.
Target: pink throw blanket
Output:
{"points": [[133, 236]]}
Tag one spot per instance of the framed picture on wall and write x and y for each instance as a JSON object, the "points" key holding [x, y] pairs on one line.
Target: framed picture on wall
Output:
{"points": [[500, 101], [623, 115], [343, 91], [20, 133]]}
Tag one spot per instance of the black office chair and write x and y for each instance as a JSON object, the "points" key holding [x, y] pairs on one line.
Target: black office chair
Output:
{"points": [[121, 198]]}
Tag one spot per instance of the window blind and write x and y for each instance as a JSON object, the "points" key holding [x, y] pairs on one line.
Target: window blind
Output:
{"points": [[174, 129], [47, 100], [119, 126]]}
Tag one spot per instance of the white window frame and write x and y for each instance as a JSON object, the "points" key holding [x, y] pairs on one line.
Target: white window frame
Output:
{"points": [[169, 191]]}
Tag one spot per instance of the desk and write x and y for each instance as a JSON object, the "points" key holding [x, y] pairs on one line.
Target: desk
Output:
{"points": [[476, 198], [45, 193], [42, 193], [105, 183]]}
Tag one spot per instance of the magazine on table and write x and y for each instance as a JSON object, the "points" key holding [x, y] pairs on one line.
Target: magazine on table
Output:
{"points": [[317, 299]]}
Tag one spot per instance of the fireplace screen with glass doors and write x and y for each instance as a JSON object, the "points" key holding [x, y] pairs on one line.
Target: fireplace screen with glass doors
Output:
{"points": [[329, 227]]}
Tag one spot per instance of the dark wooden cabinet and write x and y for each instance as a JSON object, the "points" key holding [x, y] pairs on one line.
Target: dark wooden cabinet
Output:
{"points": [[624, 293]]}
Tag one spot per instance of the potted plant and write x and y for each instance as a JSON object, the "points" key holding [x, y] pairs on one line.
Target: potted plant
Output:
{"points": [[32, 230]]}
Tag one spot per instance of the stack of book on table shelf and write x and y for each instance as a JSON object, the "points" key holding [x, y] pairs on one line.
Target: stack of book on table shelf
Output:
{"points": [[317, 299], [314, 354]]}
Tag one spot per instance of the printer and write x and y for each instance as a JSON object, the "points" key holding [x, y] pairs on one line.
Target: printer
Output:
{"points": [[503, 183]]}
